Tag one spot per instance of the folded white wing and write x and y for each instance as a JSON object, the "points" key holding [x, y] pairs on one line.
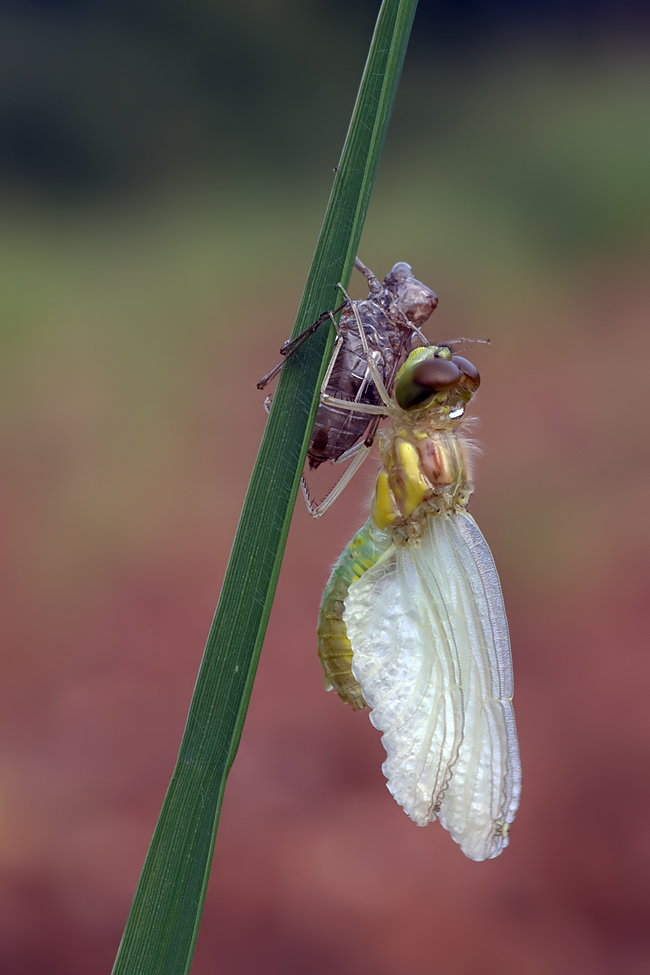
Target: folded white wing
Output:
{"points": [[431, 652]]}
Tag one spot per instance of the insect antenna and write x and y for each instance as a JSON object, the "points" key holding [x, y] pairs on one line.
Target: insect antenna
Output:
{"points": [[450, 343]]}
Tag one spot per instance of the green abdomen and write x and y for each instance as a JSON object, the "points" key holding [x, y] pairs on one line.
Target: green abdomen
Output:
{"points": [[334, 647]]}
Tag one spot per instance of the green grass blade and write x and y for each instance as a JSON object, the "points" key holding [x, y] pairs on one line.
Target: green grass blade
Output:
{"points": [[163, 923]]}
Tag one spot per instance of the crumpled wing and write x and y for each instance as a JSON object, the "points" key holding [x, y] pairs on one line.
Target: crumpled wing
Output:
{"points": [[432, 654]]}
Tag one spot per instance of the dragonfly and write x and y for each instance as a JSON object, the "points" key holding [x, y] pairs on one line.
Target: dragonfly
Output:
{"points": [[412, 623], [390, 319]]}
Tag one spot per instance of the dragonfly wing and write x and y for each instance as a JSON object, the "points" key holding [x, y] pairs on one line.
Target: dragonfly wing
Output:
{"points": [[404, 659], [483, 794], [431, 652]]}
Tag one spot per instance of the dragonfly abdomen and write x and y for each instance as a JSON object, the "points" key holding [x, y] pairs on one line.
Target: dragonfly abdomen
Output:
{"points": [[334, 648]]}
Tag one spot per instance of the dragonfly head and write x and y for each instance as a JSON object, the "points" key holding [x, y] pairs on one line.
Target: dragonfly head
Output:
{"points": [[414, 299], [434, 378]]}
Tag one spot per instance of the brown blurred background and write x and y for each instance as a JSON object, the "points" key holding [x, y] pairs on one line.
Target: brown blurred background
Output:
{"points": [[164, 168]]}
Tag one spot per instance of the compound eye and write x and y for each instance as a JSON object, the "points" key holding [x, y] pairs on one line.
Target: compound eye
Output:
{"points": [[468, 369], [427, 378]]}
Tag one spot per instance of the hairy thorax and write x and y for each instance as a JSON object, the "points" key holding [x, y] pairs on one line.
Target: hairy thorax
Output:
{"points": [[426, 471]]}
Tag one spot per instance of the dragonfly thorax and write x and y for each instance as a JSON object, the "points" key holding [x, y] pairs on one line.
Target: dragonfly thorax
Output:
{"points": [[425, 471]]}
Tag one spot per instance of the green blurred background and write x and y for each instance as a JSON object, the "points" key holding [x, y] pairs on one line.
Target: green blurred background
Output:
{"points": [[164, 169]]}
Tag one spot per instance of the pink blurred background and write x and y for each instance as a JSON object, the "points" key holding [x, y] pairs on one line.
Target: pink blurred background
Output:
{"points": [[136, 325]]}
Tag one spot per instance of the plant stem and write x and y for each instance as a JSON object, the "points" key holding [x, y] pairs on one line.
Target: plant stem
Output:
{"points": [[162, 927]]}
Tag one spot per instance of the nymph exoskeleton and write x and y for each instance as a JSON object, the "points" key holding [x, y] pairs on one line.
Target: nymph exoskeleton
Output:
{"points": [[390, 318]]}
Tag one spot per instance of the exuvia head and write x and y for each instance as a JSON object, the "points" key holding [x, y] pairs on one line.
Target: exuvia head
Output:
{"points": [[414, 299], [434, 377]]}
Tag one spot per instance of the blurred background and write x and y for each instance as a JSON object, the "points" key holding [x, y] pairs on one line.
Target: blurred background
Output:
{"points": [[164, 169]]}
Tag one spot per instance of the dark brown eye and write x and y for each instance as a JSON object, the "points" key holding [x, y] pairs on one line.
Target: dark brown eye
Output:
{"points": [[437, 374], [467, 368], [425, 380]]}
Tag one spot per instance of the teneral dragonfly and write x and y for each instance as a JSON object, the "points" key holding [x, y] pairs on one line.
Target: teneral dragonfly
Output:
{"points": [[412, 622]]}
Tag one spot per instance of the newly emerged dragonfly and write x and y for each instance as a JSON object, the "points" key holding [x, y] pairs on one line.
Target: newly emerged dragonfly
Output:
{"points": [[412, 622], [390, 318]]}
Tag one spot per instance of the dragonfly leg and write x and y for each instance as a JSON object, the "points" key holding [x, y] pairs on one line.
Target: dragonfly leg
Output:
{"points": [[351, 452], [370, 357], [292, 345], [411, 327], [366, 443], [346, 404], [265, 380], [374, 285], [371, 432], [316, 510], [353, 407], [420, 334], [330, 366]]}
